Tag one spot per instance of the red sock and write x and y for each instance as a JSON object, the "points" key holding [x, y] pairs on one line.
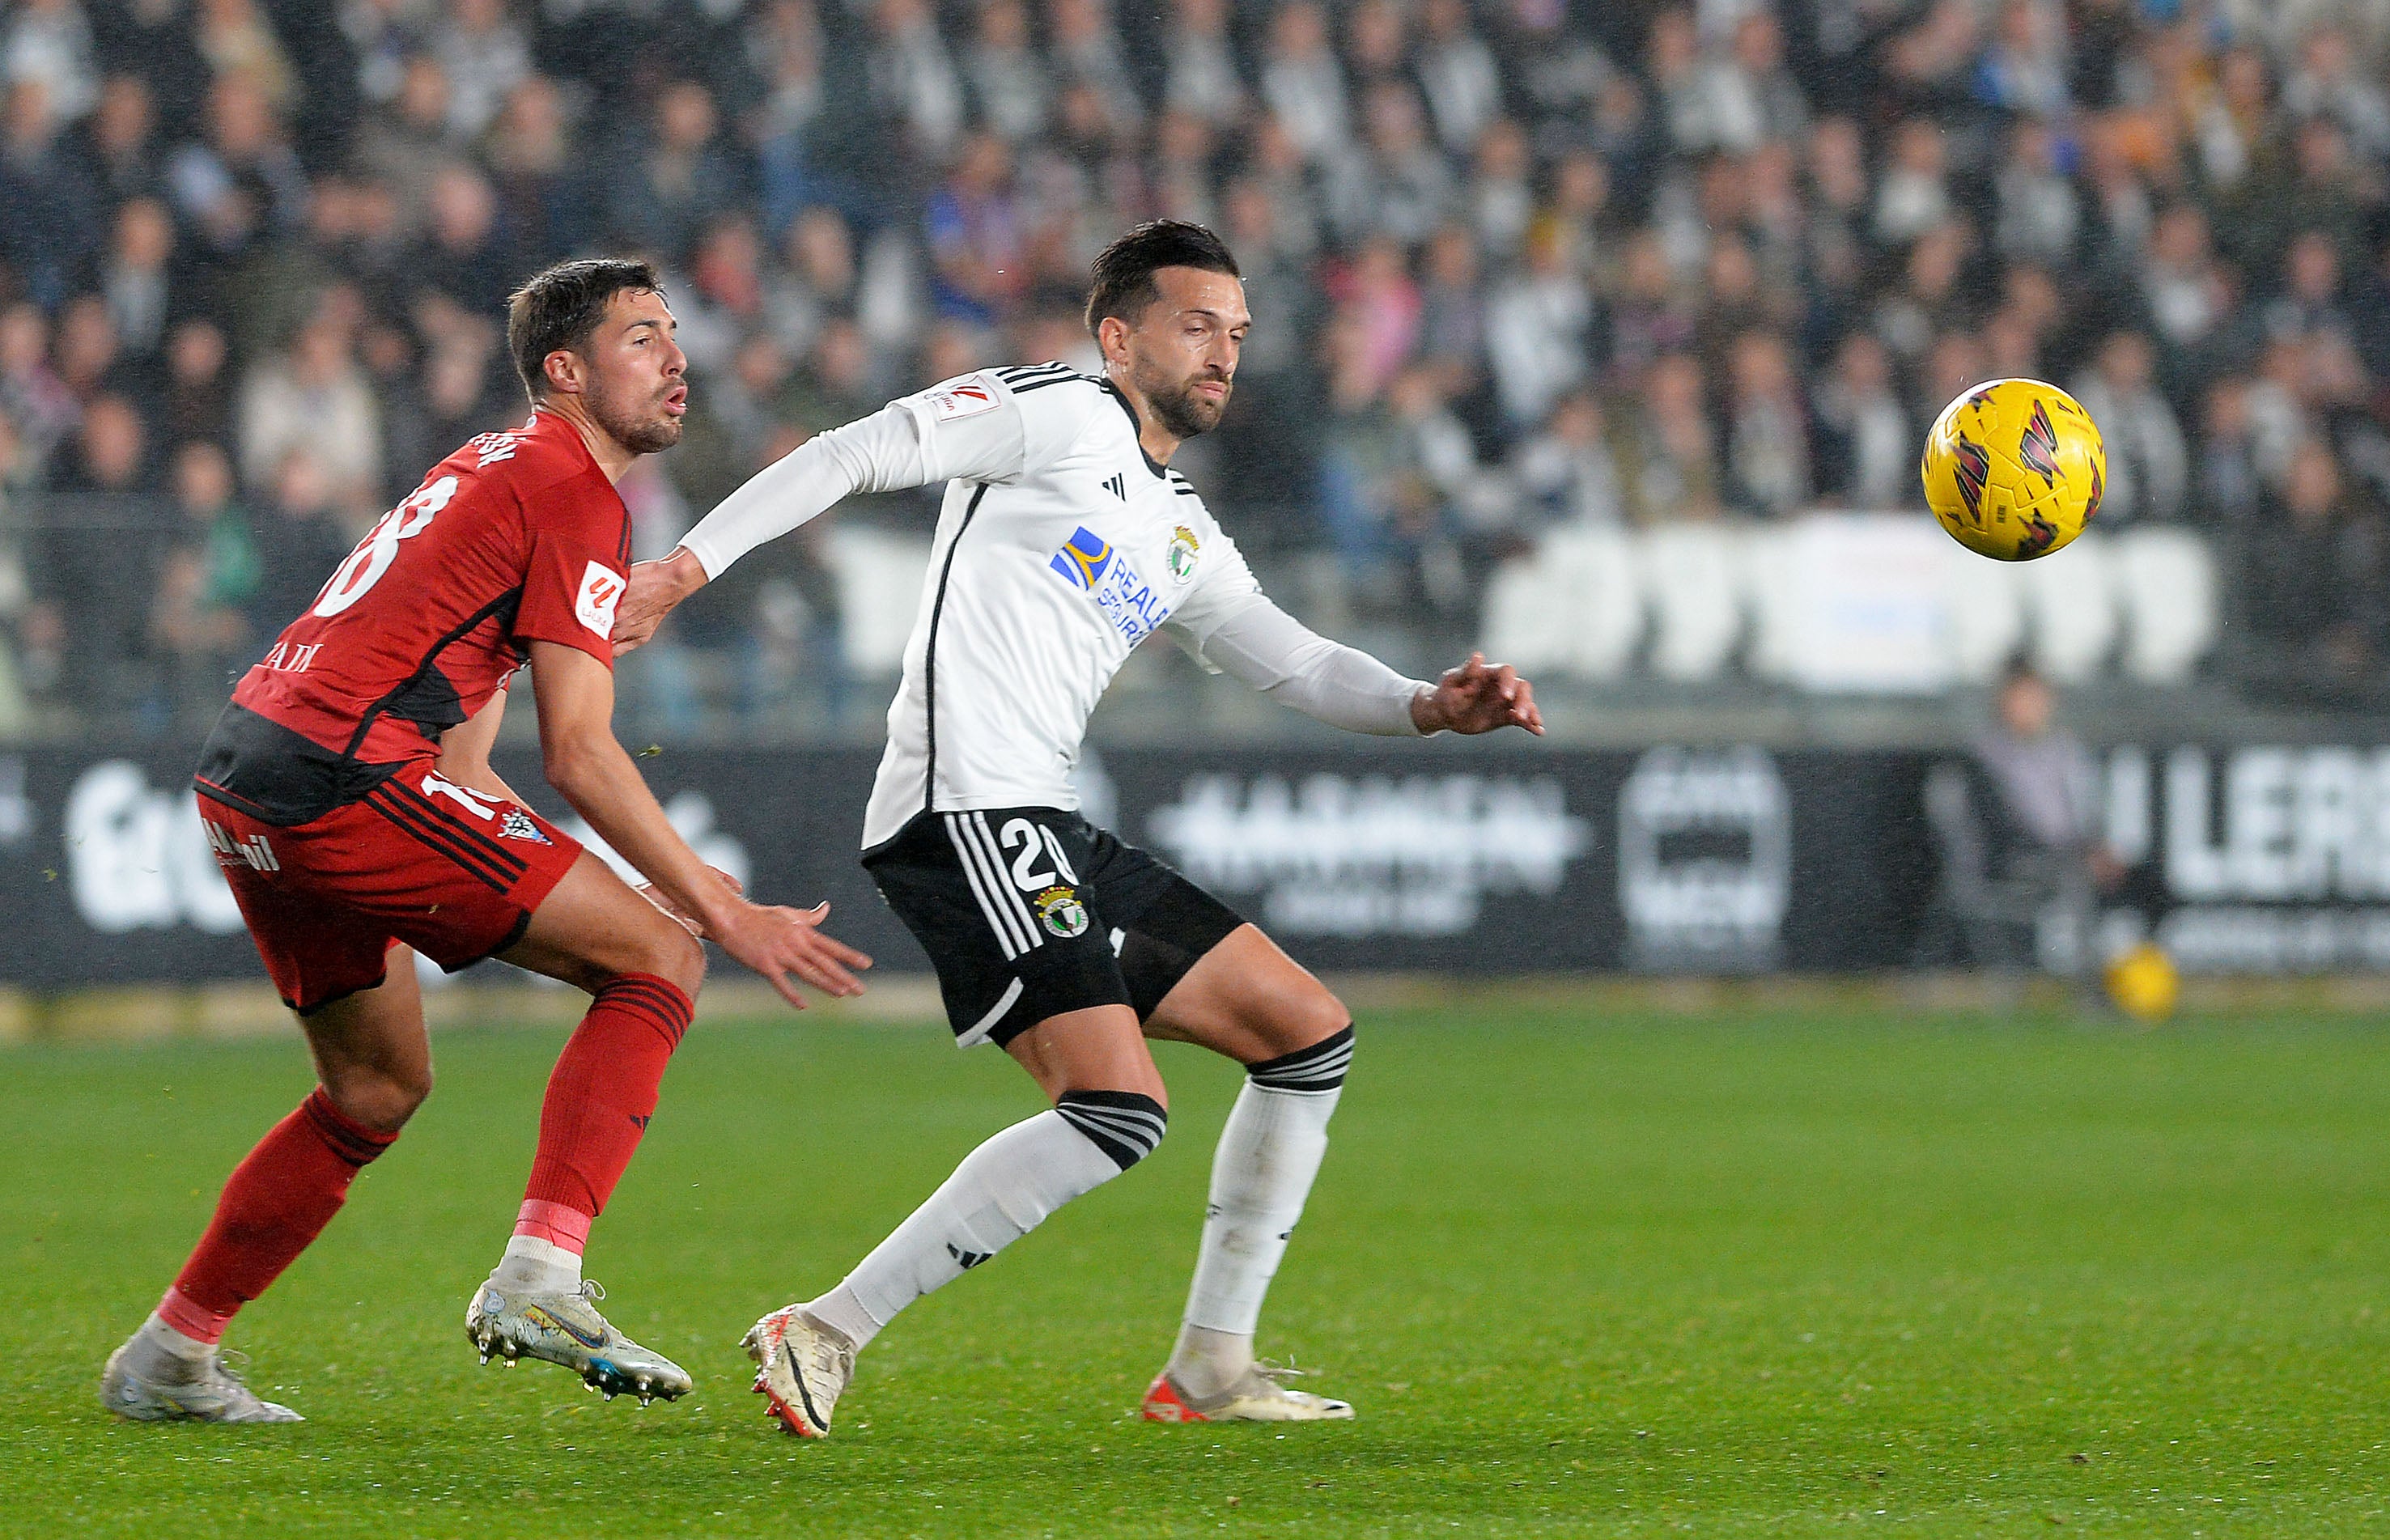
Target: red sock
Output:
{"points": [[599, 1098], [275, 1201]]}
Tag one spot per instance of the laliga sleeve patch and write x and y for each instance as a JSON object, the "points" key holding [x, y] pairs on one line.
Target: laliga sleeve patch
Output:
{"points": [[601, 589], [967, 399]]}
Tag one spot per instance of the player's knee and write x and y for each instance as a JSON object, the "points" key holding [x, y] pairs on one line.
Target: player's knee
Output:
{"points": [[1318, 1066], [672, 954], [1300, 1019], [380, 1097], [1126, 1125]]}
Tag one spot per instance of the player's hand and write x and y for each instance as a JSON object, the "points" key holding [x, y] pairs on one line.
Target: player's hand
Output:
{"points": [[1478, 696], [777, 942], [681, 917], [655, 588]]}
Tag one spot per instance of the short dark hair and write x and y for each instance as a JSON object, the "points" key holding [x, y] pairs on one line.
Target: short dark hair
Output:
{"points": [[561, 306], [1124, 271]]}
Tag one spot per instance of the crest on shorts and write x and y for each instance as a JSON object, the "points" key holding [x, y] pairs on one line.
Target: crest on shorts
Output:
{"points": [[1061, 912], [1184, 548], [517, 825]]}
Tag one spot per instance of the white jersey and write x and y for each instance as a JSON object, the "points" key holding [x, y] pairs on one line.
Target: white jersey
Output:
{"points": [[1060, 548]]}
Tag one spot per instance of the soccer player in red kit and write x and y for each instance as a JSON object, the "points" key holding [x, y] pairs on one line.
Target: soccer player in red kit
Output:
{"points": [[347, 794]]}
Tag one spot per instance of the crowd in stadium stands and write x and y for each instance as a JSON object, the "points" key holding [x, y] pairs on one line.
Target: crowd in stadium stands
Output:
{"points": [[1514, 263]]}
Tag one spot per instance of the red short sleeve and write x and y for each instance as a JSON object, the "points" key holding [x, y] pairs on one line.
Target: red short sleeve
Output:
{"points": [[570, 593]]}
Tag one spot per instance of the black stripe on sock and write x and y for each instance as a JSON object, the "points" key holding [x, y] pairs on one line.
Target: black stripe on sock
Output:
{"points": [[1124, 1124], [1320, 1067]]}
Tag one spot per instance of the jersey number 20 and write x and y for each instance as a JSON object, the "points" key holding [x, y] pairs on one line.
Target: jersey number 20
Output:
{"points": [[380, 547]]}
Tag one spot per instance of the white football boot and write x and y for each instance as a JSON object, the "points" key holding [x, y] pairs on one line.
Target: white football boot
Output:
{"points": [[204, 1390], [803, 1369], [1258, 1397], [566, 1329]]}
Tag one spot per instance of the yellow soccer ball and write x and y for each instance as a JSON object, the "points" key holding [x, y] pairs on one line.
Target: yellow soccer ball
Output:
{"points": [[2014, 469], [2143, 983]]}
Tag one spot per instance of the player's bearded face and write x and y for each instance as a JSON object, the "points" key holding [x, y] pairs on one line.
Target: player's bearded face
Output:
{"points": [[1187, 402], [632, 413]]}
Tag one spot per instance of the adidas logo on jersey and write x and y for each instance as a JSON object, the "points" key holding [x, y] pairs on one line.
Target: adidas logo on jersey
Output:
{"points": [[966, 1260], [1117, 487]]}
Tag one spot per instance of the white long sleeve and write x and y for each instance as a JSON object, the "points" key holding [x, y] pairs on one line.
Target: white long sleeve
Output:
{"points": [[1294, 665], [970, 428]]}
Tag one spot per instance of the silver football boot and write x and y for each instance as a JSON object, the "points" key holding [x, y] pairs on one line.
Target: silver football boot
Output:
{"points": [[206, 1391], [565, 1329], [804, 1368], [1260, 1396]]}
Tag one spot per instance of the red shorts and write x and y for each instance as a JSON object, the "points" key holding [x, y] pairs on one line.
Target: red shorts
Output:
{"points": [[453, 873]]}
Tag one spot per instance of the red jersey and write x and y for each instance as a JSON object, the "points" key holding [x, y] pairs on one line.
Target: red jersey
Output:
{"points": [[516, 537]]}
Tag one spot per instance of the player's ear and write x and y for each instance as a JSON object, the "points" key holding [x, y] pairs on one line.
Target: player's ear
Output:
{"points": [[1112, 335], [563, 369]]}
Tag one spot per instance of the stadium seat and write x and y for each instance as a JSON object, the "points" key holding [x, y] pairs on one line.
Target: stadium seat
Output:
{"points": [[2165, 587], [1571, 607], [2072, 602], [879, 588], [1985, 616], [1692, 578]]}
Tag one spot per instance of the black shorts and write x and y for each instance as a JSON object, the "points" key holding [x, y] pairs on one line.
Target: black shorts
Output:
{"points": [[1030, 912]]}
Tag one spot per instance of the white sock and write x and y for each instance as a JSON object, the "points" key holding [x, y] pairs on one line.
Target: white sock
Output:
{"points": [[1270, 1154], [161, 1352], [535, 1265], [1002, 1190]]}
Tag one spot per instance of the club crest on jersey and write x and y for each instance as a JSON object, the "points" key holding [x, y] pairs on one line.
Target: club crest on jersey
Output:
{"points": [[1089, 563], [1184, 548], [1061, 912], [517, 825]]}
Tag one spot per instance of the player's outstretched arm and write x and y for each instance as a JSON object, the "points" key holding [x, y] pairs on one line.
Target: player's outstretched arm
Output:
{"points": [[971, 427], [589, 768], [1478, 696]]}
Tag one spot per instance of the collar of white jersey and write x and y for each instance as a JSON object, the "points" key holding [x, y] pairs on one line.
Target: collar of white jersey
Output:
{"points": [[1137, 433]]}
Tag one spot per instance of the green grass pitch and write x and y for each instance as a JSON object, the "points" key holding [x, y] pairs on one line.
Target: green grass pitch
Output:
{"points": [[1768, 1274]]}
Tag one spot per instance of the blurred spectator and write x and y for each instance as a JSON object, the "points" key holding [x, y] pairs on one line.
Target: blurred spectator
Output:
{"points": [[1201, 78], [52, 226], [975, 235], [120, 141], [94, 564], [314, 397], [1865, 445], [1537, 325], [1670, 449], [2149, 464], [679, 180], [1009, 87], [241, 180], [48, 41], [484, 54], [1766, 445], [199, 626], [301, 540], [198, 398], [1303, 84], [135, 283], [2020, 837], [1566, 474], [2310, 572]]}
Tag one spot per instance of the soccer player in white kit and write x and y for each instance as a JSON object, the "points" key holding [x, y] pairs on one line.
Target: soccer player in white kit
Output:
{"points": [[1065, 540]]}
